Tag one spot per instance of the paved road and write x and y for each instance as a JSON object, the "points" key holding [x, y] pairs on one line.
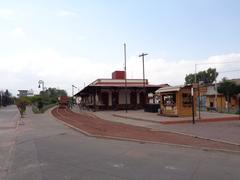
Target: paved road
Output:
{"points": [[8, 119], [46, 149]]}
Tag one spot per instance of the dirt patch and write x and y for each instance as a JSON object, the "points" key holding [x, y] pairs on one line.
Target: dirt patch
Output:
{"points": [[100, 127]]}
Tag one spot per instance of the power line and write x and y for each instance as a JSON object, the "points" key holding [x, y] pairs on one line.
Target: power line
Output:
{"points": [[229, 71], [231, 62]]}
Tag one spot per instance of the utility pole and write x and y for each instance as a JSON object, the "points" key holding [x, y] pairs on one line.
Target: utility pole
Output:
{"points": [[73, 90], [144, 88], [193, 114], [239, 106], [215, 74], [198, 89], [199, 101], [125, 76], [195, 75]]}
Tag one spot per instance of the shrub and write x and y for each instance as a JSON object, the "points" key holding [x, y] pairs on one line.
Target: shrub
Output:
{"points": [[21, 103]]}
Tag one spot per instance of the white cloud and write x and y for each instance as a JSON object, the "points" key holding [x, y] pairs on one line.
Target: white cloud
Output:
{"points": [[164, 71], [23, 70], [18, 32], [26, 68], [6, 13], [66, 13]]}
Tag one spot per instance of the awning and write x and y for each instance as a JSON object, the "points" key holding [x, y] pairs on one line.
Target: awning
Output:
{"points": [[168, 89]]}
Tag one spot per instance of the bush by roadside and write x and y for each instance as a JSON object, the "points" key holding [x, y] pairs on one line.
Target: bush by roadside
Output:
{"points": [[22, 103], [36, 110]]}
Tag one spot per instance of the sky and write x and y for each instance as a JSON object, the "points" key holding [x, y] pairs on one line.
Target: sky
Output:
{"points": [[74, 42]]}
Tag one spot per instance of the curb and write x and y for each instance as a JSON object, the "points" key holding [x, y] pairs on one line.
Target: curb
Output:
{"points": [[200, 137], [145, 141], [208, 120], [186, 134], [137, 119]]}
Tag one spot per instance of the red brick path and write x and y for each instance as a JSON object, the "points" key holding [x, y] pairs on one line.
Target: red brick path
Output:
{"points": [[97, 126]]}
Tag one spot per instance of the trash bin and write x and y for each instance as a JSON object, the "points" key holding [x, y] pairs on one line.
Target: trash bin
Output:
{"points": [[151, 108]]}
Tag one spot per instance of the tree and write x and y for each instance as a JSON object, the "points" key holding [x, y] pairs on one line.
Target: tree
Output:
{"points": [[34, 99], [21, 103], [40, 105], [207, 76], [228, 89], [5, 98], [50, 95], [8, 97]]}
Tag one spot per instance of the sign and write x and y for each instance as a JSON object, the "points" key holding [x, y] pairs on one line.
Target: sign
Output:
{"points": [[192, 91]]}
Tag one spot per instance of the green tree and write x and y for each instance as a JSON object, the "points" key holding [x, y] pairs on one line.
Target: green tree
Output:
{"points": [[22, 103], [50, 95], [6, 98], [228, 89], [40, 105], [34, 99], [207, 76]]}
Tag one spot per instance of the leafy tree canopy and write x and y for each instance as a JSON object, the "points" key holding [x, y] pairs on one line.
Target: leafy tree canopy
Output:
{"points": [[228, 88], [7, 93], [6, 98], [207, 76], [50, 95], [21, 103]]}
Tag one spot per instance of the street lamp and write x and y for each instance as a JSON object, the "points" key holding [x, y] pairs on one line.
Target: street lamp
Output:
{"points": [[143, 55], [41, 82]]}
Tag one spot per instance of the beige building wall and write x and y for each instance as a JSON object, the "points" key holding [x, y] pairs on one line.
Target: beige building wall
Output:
{"points": [[122, 97]]}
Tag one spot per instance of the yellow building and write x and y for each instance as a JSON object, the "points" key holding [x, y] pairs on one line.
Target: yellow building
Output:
{"points": [[219, 102], [216, 101], [176, 101]]}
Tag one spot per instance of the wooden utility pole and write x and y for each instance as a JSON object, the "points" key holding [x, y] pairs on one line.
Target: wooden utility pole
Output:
{"points": [[125, 76], [193, 109], [144, 88]]}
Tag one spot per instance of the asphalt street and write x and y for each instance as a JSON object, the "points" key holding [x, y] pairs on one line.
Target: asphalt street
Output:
{"points": [[45, 149], [8, 121]]}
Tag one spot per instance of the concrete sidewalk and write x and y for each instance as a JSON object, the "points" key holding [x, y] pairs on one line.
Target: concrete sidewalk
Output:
{"points": [[155, 117], [221, 131]]}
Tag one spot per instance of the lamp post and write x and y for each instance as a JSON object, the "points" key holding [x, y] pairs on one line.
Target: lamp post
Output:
{"points": [[144, 88], [41, 82]]}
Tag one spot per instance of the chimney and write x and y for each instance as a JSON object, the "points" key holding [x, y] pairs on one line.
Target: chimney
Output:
{"points": [[118, 75]]}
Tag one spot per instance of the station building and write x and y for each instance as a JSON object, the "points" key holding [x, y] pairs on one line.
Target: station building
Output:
{"points": [[117, 93]]}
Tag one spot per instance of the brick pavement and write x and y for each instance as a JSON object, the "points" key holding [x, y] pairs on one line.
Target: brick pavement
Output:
{"points": [[96, 126], [221, 131]]}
